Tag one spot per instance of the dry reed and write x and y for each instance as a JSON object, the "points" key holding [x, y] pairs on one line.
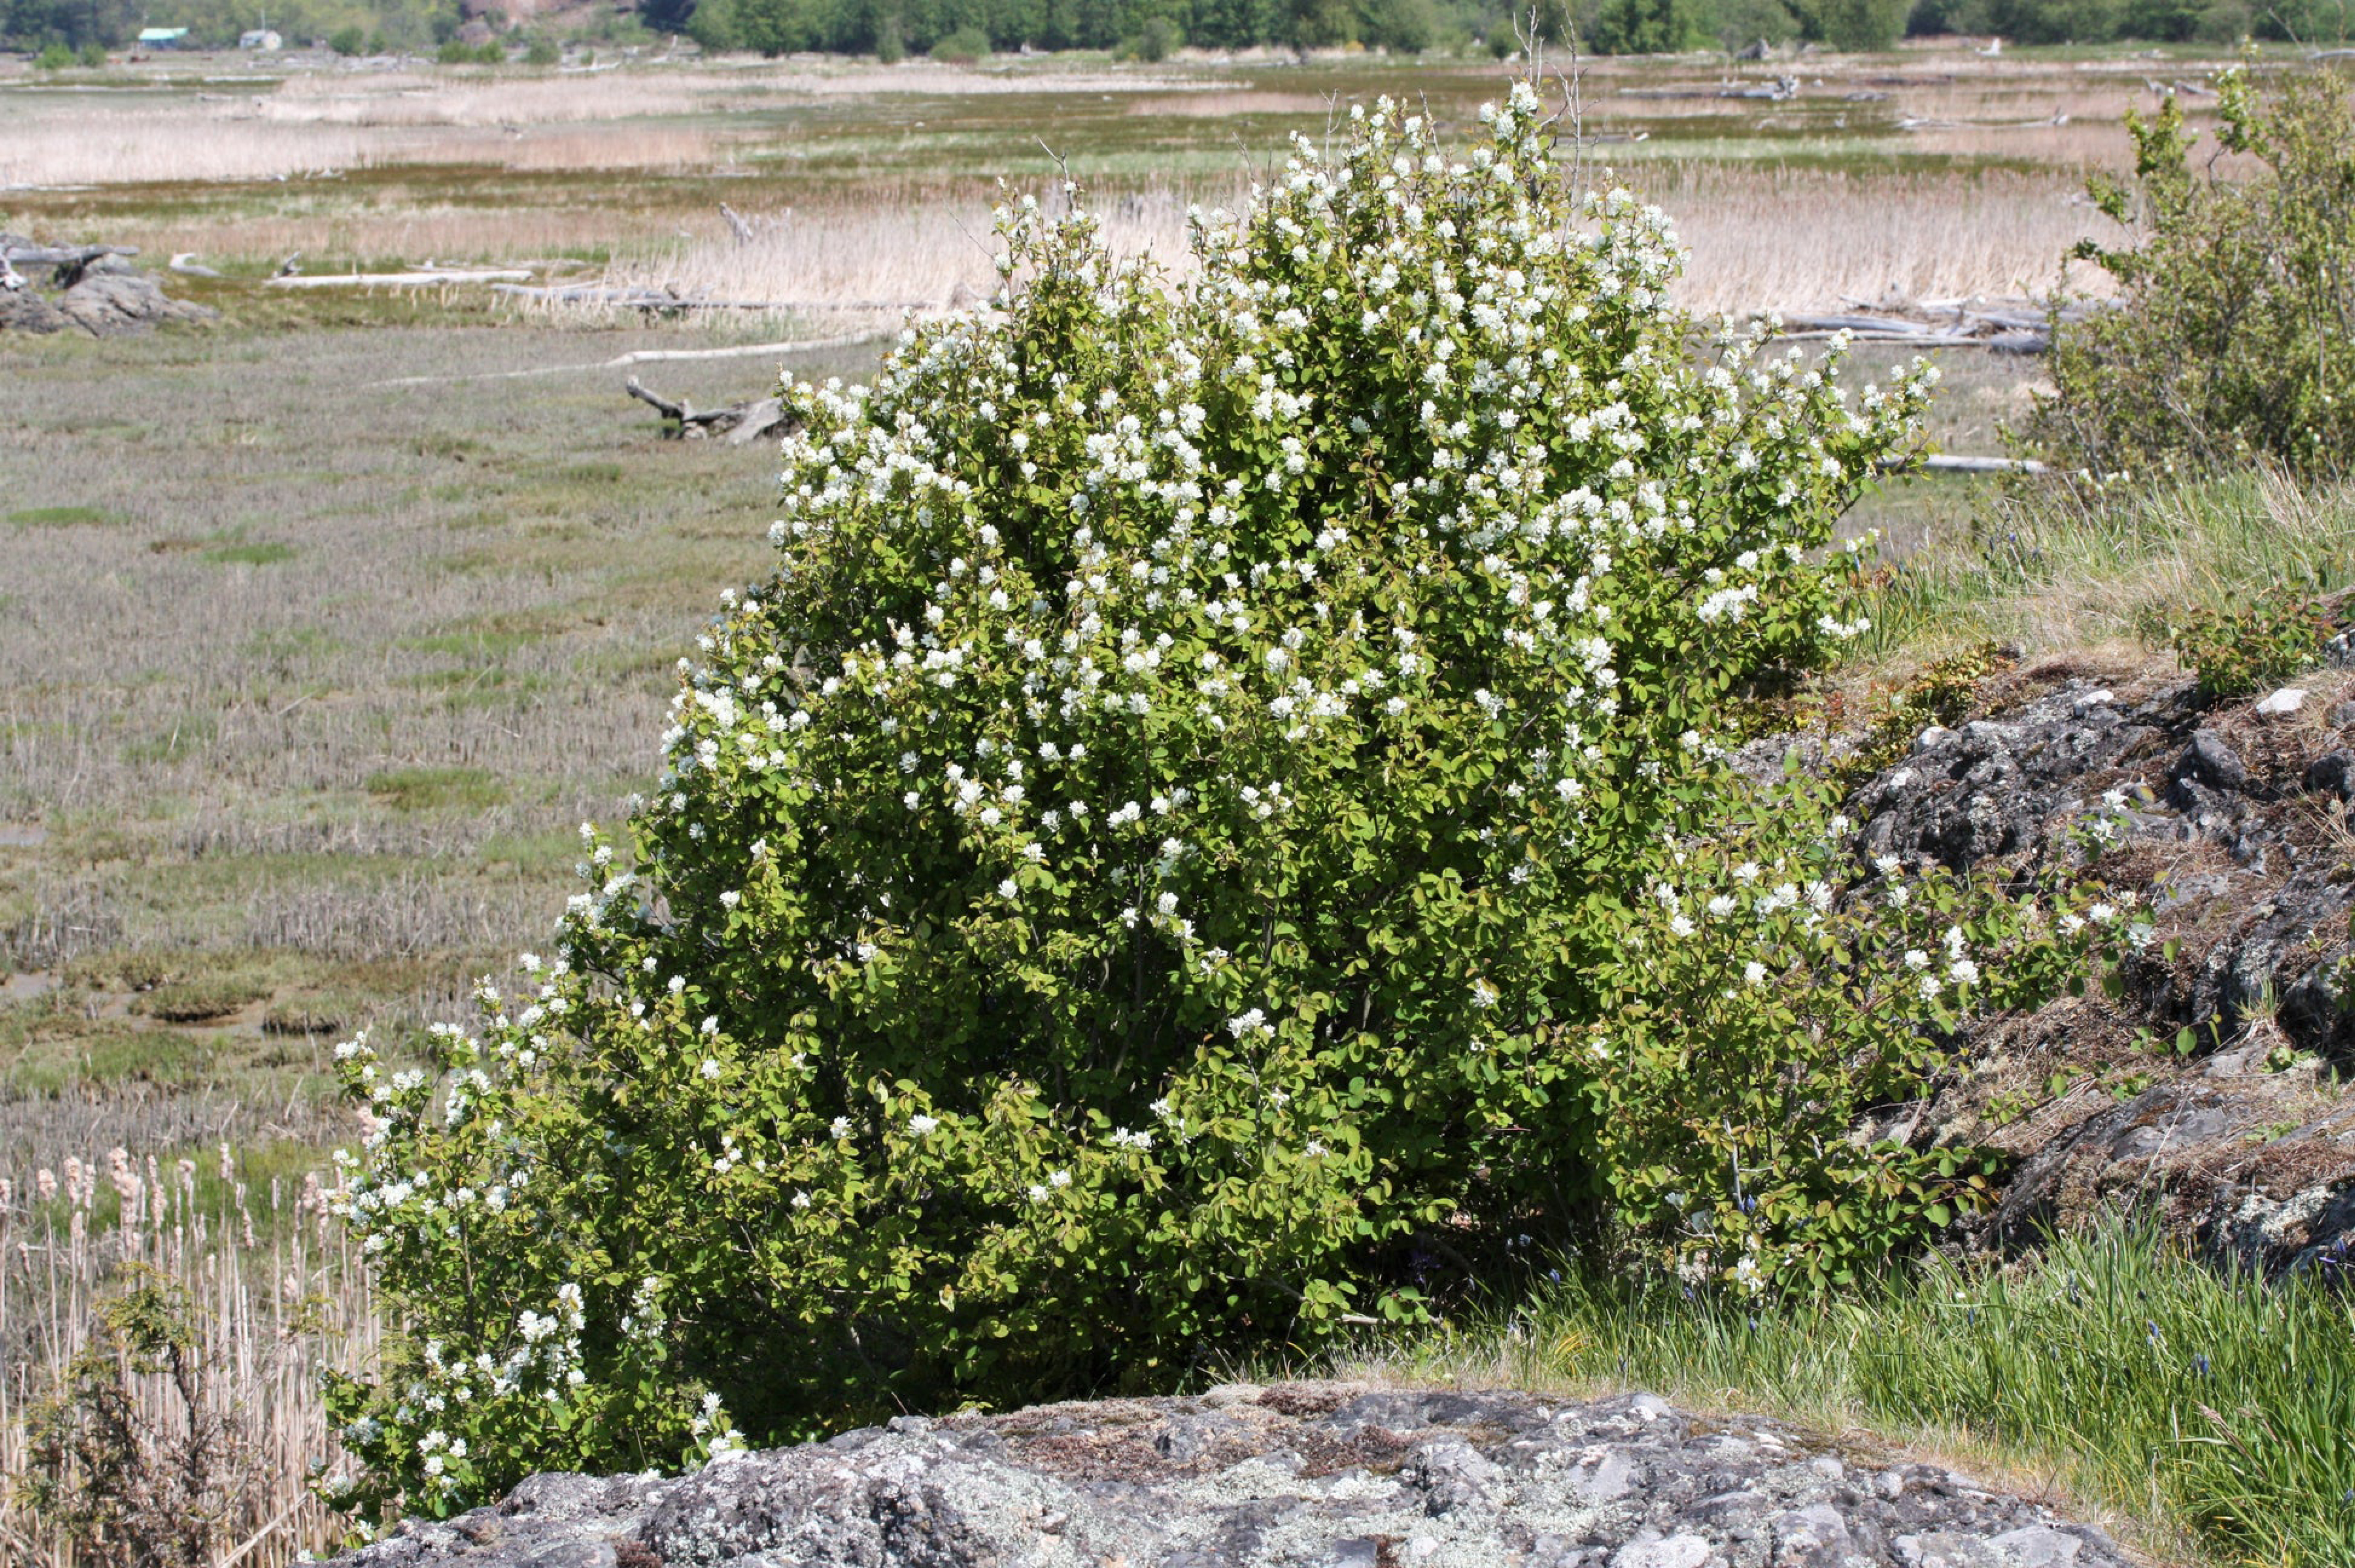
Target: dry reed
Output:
{"points": [[275, 1295]]}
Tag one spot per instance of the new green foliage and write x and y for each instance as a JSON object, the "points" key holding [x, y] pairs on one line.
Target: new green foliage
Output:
{"points": [[1217, 830]]}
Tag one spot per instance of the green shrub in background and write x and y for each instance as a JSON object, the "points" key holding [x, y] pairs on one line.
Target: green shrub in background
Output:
{"points": [[963, 47], [1649, 26], [1158, 39], [1856, 25], [54, 57], [347, 41], [2231, 339], [1215, 831]]}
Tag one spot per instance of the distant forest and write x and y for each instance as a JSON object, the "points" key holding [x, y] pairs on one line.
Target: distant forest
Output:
{"points": [[1152, 29], [1149, 27]]}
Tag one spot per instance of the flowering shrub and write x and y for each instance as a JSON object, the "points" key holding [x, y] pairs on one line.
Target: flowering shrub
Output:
{"points": [[1213, 833]]}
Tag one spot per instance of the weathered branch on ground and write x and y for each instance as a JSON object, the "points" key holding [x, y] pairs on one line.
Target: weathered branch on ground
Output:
{"points": [[69, 263], [659, 300], [739, 422], [1780, 90], [31, 255], [417, 280], [2008, 326], [648, 356], [1957, 463]]}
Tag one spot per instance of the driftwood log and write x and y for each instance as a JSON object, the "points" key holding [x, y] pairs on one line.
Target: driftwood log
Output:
{"points": [[69, 263], [2008, 326], [738, 422], [413, 280], [24, 250], [661, 301]]}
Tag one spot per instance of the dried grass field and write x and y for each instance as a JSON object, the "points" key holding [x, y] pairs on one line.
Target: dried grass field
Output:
{"points": [[321, 628]]}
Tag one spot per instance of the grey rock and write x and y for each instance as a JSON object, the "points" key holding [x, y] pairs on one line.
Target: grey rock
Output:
{"points": [[109, 304], [2037, 1546], [1344, 1475], [2209, 761], [22, 310], [1992, 789], [106, 298], [2332, 773]]}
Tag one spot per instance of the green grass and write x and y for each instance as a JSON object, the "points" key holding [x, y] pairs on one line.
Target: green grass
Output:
{"points": [[104, 1054], [189, 735], [436, 789], [66, 517], [200, 1000], [2054, 567], [250, 553], [2201, 1408]]}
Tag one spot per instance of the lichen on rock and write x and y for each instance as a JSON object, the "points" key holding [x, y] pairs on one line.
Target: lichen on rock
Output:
{"points": [[1349, 1475]]}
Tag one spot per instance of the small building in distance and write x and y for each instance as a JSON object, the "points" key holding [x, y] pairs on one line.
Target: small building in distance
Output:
{"points": [[160, 38], [260, 39]]}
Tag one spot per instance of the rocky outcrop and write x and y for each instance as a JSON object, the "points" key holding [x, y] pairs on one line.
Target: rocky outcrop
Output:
{"points": [[105, 296], [1348, 1475], [2207, 1091]]}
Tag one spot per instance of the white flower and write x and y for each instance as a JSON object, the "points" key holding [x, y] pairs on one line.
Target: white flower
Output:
{"points": [[1962, 971], [1008, 890], [712, 1024], [1915, 958], [1753, 973], [1252, 1022], [710, 1067], [1682, 925], [922, 1125], [1167, 903], [839, 1128], [801, 1200]]}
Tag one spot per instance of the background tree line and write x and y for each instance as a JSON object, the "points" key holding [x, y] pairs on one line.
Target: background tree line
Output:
{"points": [[1151, 28]]}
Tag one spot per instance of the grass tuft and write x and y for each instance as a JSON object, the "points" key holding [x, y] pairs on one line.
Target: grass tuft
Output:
{"points": [[436, 789], [66, 517], [2199, 1407], [2058, 565]]}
